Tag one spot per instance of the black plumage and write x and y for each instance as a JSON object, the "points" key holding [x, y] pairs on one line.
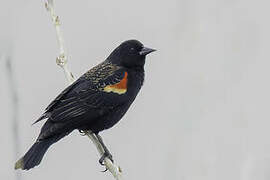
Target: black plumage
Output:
{"points": [[95, 102]]}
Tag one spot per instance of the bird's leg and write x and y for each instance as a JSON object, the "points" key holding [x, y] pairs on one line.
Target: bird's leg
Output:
{"points": [[106, 151]]}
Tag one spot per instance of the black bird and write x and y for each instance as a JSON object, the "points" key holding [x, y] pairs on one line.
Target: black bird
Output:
{"points": [[95, 102]]}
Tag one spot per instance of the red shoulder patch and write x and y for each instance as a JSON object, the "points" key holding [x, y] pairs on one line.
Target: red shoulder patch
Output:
{"points": [[120, 87]]}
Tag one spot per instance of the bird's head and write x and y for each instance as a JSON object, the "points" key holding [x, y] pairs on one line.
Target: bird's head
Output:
{"points": [[130, 54]]}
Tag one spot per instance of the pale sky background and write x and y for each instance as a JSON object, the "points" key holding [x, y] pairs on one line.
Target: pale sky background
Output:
{"points": [[203, 113]]}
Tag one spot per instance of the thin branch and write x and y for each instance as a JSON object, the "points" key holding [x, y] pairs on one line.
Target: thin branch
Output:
{"points": [[61, 60], [15, 108], [114, 169]]}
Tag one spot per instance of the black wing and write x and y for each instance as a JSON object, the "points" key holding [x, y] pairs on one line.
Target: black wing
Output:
{"points": [[86, 96]]}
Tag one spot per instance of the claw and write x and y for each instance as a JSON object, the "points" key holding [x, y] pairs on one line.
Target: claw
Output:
{"points": [[105, 170], [101, 160], [82, 133]]}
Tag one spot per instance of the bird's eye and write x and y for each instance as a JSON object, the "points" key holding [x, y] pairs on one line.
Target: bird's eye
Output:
{"points": [[132, 49]]}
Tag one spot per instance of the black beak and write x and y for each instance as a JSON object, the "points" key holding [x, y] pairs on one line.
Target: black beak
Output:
{"points": [[146, 51]]}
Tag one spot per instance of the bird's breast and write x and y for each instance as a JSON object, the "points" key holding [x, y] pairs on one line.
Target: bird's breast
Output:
{"points": [[135, 82]]}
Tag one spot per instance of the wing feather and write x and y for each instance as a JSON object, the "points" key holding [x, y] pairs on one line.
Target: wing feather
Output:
{"points": [[86, 95]]}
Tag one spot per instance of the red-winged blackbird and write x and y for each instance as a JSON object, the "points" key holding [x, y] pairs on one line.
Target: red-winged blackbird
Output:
{"points": [[95, 102]]}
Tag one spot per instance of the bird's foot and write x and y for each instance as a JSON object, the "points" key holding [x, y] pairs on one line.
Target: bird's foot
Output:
{"points": [[83, 133], [105, 155]]}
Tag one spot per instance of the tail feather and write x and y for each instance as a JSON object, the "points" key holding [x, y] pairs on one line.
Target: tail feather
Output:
{"points": [[35, 154]]}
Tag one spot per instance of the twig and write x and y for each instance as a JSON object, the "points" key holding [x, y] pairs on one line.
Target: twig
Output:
{"points": [[15, 108], [114, 169], [61, 60]]}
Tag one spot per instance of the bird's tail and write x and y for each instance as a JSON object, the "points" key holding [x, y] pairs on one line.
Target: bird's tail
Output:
{"points": [[35, 154]]}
